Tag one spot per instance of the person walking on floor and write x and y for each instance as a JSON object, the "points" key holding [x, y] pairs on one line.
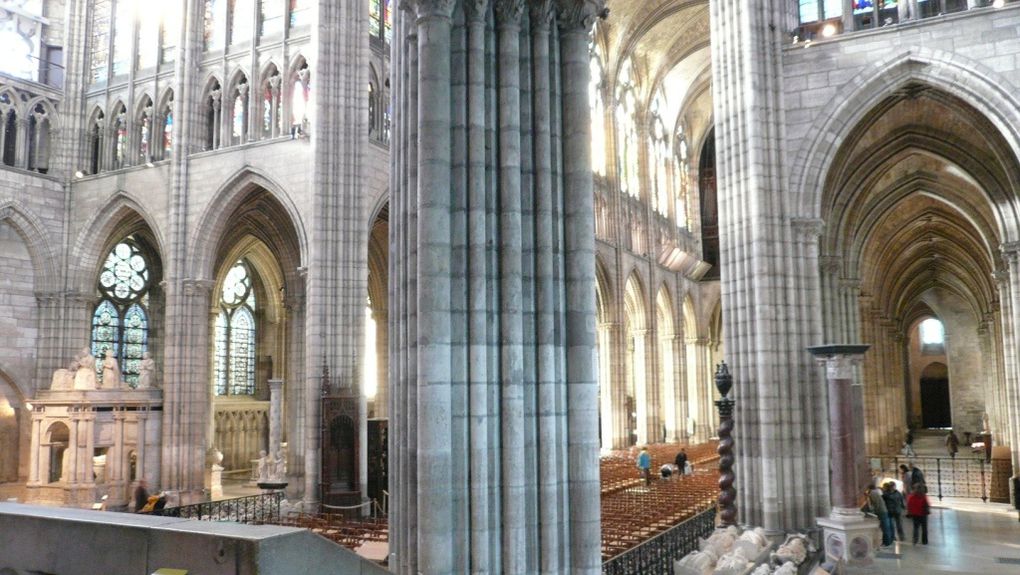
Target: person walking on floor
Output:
{"points": [[894, 505], [908, 444], [876, 505], [681, 462], [905, 476], [644, 463], [918, 510], [952, 444]]}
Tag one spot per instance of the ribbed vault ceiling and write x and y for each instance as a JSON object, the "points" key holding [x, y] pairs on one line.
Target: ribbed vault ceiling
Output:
{"points": [[919, 200]]}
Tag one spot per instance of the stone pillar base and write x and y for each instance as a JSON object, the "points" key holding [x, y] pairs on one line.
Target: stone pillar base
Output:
{"points": [[851, 539]]}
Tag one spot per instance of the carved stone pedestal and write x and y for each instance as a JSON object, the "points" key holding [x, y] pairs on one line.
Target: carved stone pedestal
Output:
{"points": [[852, 540], [216, 482]]}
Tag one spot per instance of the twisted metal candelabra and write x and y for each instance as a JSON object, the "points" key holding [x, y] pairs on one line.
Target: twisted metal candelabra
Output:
{"points": [[727, 494]]}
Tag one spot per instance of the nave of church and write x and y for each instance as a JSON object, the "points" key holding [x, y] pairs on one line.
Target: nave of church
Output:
{"points": [[429, 275]]}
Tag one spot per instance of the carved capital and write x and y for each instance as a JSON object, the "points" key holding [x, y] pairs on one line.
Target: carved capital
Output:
{"points": [[541, 13], [579, 15], [508, 12], [197, 286], [1010, 251], [434, 8], [474, 10]]}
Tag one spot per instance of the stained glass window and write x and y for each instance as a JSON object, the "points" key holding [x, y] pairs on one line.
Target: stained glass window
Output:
{"points": [[170, 29], [300, 13], [380, 21], [241, 21], [660, 157], [149, 39], [123, 30], [626, 110], [682, 176], [120, 140], [214, 24], [145, 135], [99, 57], [168, 128], [815, 10], [270, 17], [235, 343], [19, 39], [120, 322]]}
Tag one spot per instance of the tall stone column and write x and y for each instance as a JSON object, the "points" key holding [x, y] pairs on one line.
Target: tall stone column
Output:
{"points": [[275, 415], [492, 352], [848, 535]]}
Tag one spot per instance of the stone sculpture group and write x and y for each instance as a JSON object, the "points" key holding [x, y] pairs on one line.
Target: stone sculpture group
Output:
{"points": [[80, 375]]}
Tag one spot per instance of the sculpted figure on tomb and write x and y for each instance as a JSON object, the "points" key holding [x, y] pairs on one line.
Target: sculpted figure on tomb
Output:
{"points": [[111, 371], [147, 372], [85, 375]]}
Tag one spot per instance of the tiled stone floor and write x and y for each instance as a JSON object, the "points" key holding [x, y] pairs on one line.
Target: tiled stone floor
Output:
{"points": [[964, 536]]}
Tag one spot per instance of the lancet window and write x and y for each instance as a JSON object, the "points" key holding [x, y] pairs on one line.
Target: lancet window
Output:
{"points": [[99, 51], [300, 100], [119, 131], [271, 17], [380, 20], [271, 103], [661, 155], [300, 13], [20, 32], [120, 322], [235, 334], [626, 120], [682, 177]]}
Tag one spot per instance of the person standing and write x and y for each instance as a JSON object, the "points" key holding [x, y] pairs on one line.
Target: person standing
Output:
{"points": [[952, 444], [917, 478], [894, 505], [905, 478], [877, 506], [908, 444], [141, 495], [918, 510], [644, 463], [681, 461]]}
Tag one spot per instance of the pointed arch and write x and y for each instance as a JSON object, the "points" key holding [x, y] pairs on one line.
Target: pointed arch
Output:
{"points": [[237, 105], [117, 128], [121, 216], [213, 112], [214, 221], [989, 93], [270, 107], [145, 121], [40, 248], [603, 292]]}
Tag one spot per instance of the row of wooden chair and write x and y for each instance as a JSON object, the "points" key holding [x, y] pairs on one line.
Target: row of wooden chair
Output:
{"points": [[633, 512], [350, 533]]}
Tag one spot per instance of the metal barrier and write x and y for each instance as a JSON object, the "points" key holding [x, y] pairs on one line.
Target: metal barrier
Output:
{"points": [[949, 477], [656, 556], [264, 508]]}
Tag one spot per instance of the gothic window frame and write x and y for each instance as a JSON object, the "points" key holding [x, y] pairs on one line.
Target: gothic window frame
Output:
{"points": [[682, 177], [8, 127], [299, 14], [235, 308], [22, 30], [40, 135], [214, 25], [101, 14], [122, 39], [164, 127], [213, 112], [237, 122], [277, 18], [124, 284], [241, 12], [380, 21], [660, 155], [627, 121], [94, 143], [299, 84], [119, 144], [144, 130], [271, 103]]}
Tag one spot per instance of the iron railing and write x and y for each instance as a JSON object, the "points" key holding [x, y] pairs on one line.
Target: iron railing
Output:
{"points": [[258, 509], [656, 556], [949, 477]]}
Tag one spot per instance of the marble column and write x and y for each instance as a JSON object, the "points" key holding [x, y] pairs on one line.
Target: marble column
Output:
{"points": [[275, 415], [848, 535]]}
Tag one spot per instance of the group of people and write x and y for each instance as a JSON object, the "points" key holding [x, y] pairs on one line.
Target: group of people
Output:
{"points": [[889, 505], [681, 465]]}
